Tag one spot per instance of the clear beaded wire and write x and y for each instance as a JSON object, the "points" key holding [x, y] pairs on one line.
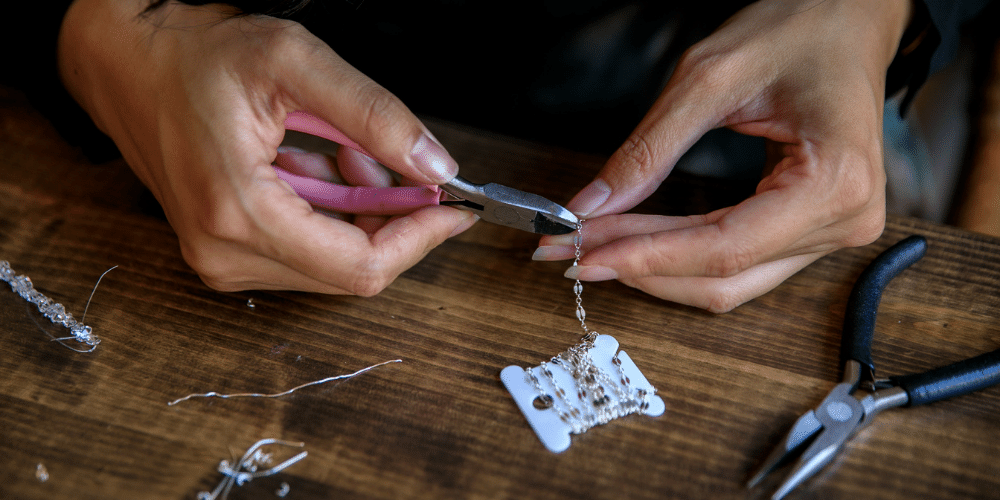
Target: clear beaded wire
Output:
{"points": [[49, 308]]}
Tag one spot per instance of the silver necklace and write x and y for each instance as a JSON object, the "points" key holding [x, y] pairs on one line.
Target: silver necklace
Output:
{"points": [[604, 383]]}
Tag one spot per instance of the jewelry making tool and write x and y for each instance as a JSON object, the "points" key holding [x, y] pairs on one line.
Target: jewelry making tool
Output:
{"points": [[842, 413], [589, 384], [492, 202]]}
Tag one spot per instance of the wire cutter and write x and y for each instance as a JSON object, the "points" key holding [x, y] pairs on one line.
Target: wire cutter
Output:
{"points": [[842, 413], [492, 202]]}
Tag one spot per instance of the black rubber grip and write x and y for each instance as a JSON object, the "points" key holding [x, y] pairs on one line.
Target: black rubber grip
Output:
{"points": [[955, 379], [862, 306]]}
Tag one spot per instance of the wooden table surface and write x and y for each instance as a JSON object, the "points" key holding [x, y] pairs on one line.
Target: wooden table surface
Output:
{"points": [[440, 424]]}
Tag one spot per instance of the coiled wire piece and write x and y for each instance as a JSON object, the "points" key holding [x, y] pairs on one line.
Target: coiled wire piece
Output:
{"points": [[249, 467]]}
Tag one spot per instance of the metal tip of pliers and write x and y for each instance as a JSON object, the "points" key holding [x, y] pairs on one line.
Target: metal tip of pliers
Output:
{"points": [[510, 207], [554, 224]]}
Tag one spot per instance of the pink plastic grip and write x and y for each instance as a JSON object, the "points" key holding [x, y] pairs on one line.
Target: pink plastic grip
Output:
{"points": [[362, 200], [300, 121]]}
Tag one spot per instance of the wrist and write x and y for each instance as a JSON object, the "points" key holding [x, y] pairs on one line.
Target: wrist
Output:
{"points": [[97, 50], [889, 20]]}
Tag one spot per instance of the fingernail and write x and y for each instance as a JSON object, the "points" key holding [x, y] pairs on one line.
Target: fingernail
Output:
{"points": [[588, 200], [554, 252], [290, 149], [568, 240], [591, 273], [464, 226], [432, 159]]}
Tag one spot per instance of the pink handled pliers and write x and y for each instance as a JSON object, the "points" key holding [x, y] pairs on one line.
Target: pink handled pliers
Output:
{"points": [[492, 202]]}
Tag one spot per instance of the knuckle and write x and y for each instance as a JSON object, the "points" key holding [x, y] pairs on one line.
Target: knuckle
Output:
{"points": [[867, 230], [705, 69], [636, 155], [860, 199], [723, 301], [380, 109], [223, 220], [732, 260], [287, 39], [861, 182], [370, 279], [214, 270], [652, 261]]}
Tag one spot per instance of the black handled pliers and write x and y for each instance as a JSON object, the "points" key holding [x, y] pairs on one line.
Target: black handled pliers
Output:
{"points": [[843, 413]]}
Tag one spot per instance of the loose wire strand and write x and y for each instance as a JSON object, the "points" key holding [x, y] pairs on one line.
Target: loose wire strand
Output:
{"points": [[284, 393], [84, 317]]}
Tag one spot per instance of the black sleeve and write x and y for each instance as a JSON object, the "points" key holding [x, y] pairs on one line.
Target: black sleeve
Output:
{"points": [[929, 43], [948, 16], [32, 68]]}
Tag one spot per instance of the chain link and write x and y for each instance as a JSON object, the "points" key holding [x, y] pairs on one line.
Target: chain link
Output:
{"points": [[592, 405]]}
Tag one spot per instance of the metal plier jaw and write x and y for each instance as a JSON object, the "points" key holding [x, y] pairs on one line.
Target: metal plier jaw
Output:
{"points": [[511, 207], [828, 427]]}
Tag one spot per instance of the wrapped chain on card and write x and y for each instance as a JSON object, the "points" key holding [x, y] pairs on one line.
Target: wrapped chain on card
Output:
{"points": [[589, 384]]}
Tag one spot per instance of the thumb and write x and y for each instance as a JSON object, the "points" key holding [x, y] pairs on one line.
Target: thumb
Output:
{"points": [[330, 88], [638, 167], [633, 173]]}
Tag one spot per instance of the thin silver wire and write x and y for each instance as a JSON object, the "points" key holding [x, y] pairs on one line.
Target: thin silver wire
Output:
{"points": [[84, 317], [284, 393], [247, 468]]}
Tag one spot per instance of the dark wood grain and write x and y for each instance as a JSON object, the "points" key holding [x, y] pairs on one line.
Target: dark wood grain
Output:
{"points": [[440, 424]]}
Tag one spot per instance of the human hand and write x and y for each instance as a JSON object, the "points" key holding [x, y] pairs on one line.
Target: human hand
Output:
{"points": [[809, 77], [196, 97]]}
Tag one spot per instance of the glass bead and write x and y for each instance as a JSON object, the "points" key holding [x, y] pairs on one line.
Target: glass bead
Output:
{"points": [[54, 311], [81, 332], [580, 313]]}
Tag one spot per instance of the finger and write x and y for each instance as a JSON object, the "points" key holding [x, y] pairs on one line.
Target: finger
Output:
{"points": [[698, 97], [243, 269], [359, 169], [342, 255], [603, 230], [796, 216], [323, 84], [308, 164], [315, 165], [721, 295], [370, 224]]}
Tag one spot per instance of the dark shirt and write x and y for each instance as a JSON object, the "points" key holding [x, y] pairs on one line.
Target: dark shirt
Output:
{"points": [[579, 73]]}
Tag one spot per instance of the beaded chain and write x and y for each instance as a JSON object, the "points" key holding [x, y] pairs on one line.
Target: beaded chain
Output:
{"points": [[49, 308], [596, 406]]}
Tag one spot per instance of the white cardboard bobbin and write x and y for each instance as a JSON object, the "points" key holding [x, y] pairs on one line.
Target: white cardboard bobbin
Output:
{"points": [[552, 431]]}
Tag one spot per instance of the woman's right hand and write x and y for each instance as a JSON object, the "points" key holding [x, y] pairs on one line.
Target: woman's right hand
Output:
{"points": [[196, 97]]}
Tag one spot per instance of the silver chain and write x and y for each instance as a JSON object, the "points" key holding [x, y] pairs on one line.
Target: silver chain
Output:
{"points": [[581, 313], [595, 405]]}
